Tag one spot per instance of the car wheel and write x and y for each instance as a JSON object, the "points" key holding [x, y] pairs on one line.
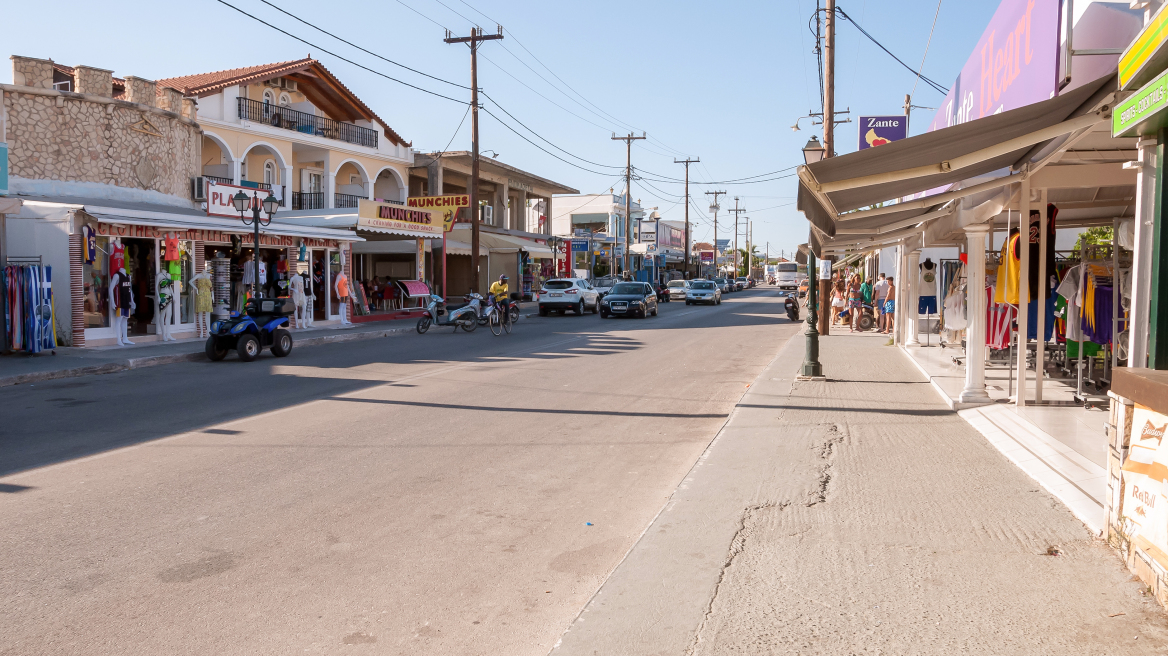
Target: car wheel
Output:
{"points": [[543, 312], [687, 302], [215, 352], [281, 343], [248, 347], [580, 308], [654, 310], [596, 306]]}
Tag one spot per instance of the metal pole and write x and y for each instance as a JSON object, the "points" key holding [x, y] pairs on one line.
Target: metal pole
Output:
{"points": [[829, 81], [811, 365]]}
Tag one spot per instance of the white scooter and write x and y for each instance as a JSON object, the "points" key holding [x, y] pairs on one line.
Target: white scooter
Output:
{"points": [[465, 317]]}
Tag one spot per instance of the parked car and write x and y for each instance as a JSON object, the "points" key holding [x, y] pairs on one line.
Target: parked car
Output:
{"points": [[802, 288], [677, 289], [563, 294], [744, 282], [703, 291], [662, 292], [603, 284], [630, 299], [724, 285]]}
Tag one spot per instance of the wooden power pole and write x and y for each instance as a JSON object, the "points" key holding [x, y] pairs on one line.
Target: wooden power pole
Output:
{"points": [[688, 251], [828, 145], [476, 36], [714, 208], [628, 193], [736, 211]]}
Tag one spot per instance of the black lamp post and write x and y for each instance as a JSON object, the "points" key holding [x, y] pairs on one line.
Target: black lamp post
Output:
{"points": [[813, 152], [242, 202]]}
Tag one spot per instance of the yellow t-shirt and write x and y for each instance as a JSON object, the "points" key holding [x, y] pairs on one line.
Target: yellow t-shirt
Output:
{"points": [[499, 290]]}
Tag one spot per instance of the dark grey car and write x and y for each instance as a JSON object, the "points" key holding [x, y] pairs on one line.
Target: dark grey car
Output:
{"points": [[629, 299]]}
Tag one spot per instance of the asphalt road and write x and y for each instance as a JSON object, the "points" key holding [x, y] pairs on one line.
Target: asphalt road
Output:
{"points": [[437, 494]]}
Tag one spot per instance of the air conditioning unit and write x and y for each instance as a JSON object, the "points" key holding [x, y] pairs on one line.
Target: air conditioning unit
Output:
{"points": [[488, 214], [285, 83], [199, 188]]}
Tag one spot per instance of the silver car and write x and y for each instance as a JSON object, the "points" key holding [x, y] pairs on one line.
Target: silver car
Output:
{"points": [[703, 291], [677, 289]]}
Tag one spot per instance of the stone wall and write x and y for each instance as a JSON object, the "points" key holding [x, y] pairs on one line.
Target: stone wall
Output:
{"points": [[71, 137], [95, 81], [29, 72]]}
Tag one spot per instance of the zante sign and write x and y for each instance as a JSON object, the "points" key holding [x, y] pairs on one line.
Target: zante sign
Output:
{"points": [[879, 130]]}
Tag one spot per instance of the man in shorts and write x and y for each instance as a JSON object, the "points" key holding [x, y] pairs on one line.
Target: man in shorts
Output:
{"points": [[888, 315], [879, 293]]}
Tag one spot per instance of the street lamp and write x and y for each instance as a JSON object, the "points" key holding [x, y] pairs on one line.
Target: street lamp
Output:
{"points": [[242, 202], [813, 152]]}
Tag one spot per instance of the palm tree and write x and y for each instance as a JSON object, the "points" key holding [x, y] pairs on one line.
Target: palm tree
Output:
{"points": [[744, 261]]}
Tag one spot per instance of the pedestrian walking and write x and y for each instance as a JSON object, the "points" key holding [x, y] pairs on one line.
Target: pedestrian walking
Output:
{"points": [[838, 301], [855, 302], [887, 317], [879, 293]]}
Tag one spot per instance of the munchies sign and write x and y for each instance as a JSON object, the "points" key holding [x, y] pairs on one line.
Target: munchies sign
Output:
{"points": [[396, 218]]}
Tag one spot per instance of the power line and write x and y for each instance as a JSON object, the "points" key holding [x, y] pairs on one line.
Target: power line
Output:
{"points": [[940, 89], [610, 166], [929, 43], [520, 135], [344, 59], [369, 52]]}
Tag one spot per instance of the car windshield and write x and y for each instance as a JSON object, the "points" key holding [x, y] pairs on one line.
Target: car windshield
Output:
{"points": [[702, 285], [720, 281], [558, 284], [629, 288], [742, 280], [677, 283], [603, 282]]}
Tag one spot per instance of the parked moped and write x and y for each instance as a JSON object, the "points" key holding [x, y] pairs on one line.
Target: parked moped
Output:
{"points": [[465, 317]]}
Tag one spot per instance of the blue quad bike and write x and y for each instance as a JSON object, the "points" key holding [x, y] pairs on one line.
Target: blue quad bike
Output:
{"points": [[262, 324]]}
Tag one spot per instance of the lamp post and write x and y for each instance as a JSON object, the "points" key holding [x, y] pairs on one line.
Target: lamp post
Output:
{"points": [[812, 153], [242, 202]]}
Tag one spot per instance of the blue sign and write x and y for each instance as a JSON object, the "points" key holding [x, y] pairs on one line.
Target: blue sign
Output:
{"points": [[3, 170], [579, 245], [723, 244], [879, 130]]}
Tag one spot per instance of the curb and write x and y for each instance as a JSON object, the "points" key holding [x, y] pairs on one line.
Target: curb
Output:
{"points": [[157, 360]]}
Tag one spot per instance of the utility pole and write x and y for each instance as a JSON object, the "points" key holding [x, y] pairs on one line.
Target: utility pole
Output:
{"points": [[736, 211], [476, 36], [714, 208], [688, 250], [828, 145], [628, 191]]}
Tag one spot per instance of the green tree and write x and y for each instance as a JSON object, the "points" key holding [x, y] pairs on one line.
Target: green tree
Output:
{"points": [[1094, 237], [742, 261]]}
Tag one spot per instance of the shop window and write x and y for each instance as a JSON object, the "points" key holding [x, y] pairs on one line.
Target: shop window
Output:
{"points": [[334, 269], [96, 284], [186, 313]]}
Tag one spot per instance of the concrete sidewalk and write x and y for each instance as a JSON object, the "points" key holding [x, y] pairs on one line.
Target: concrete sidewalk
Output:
{"points": [[862, 515]]}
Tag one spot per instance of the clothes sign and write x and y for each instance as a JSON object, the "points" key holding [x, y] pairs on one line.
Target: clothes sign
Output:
{"points": [[879, 130]]}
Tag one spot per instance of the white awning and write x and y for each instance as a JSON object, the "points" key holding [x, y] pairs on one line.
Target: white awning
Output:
{"points": [[176, 222], [455, 247]]}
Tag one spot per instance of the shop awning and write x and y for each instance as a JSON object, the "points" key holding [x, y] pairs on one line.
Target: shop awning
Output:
{"points": [[501, 243], [830, 191], [167, 221], [347, 219], [455, 247]]}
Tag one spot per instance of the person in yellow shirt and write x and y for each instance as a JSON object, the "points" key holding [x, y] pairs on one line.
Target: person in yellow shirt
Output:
{"points": [[499, 289]]}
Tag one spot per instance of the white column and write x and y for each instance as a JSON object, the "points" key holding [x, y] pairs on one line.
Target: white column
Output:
{"points": [[1142, 256], [900, 280], [236, 175], [913, 323], [369, 189], [1023, 285], [329, 182], [1040, 306], [975, 333], [286, 182]]}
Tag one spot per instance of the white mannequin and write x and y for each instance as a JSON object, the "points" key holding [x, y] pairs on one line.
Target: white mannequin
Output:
{"points": [[165, 285], [296, 285], [202, 319], [119, 317], [343, 300]]}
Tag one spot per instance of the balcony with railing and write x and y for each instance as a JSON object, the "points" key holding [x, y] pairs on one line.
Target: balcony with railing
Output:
{"points": [[304, 123], [304, 200], [345, 200]]}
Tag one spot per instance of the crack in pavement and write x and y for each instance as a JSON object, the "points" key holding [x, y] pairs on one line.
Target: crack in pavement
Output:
{"points": [[827, 454]]}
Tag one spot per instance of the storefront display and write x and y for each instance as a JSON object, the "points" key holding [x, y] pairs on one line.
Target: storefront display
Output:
{"points": [[31, 326]]}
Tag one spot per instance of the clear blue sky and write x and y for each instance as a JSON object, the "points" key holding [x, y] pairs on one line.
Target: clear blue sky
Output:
{"points": [[720, 81]]}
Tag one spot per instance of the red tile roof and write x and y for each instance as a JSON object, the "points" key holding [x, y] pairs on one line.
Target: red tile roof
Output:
{"points": [[206, 84]]}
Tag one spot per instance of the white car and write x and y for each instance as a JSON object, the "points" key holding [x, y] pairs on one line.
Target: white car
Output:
{"points": [[603, 284], [565, 294], [703, 291], [677, 289]]}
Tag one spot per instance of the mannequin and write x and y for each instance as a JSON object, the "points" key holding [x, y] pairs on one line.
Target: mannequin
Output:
{"points": [[928, 286], [300, 301], [165, 286], [341, 284], [201, 287], [121, 294]]}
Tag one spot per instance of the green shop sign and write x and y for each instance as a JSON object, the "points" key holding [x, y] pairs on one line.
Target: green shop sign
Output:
{"points": [[3, 171], [1143, 112]]}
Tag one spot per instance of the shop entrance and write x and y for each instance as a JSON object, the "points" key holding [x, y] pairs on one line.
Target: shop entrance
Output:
{"points": [[319, 285], [142, 266]]}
